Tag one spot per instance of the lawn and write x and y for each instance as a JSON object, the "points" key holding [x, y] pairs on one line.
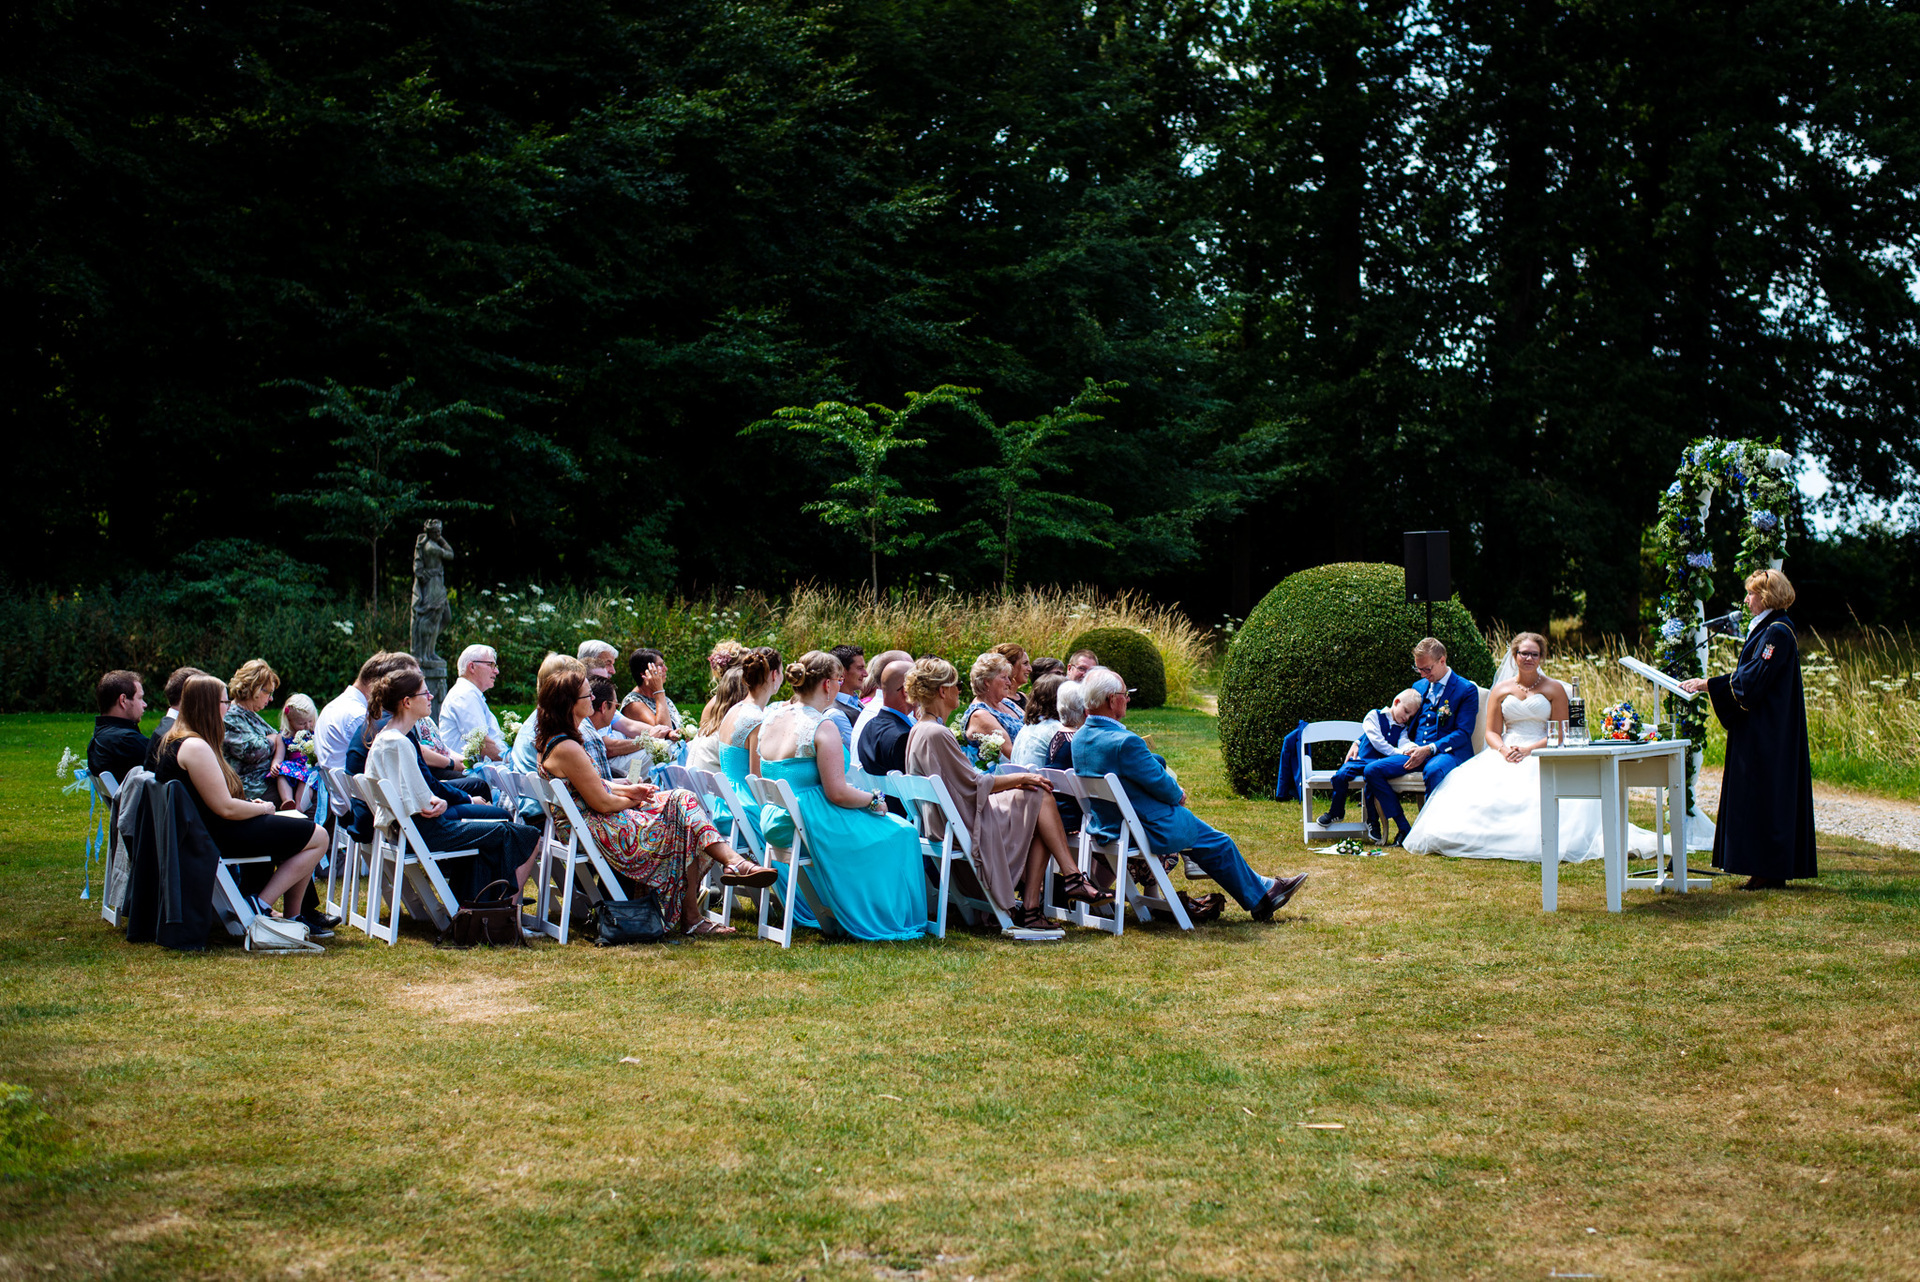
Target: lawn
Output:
{"points": [[1716, 1086]]}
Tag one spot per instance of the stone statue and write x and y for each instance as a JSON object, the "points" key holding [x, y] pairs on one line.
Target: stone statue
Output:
{"points": [[431, 613]]}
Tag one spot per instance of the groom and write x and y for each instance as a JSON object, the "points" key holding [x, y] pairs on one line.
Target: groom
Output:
{"points": [[1442, 738]]}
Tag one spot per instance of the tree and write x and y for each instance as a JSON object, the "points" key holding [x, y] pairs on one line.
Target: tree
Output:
{"points": [[369, 492], [869, 501], [1016, 509]]}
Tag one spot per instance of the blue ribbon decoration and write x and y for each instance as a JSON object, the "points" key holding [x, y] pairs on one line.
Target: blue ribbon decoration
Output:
{"points": [[96, 848]]}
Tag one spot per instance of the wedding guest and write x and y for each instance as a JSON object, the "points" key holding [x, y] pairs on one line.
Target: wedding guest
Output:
{"points": [[1071, 699], [992, 711], [175, 685], [466, 712], [647, 702], [340, 720], [1043, 722], [297, 717], [1442, 739], [1044, 666], [121, 701], [1016, 657], [723, 655], [703, 750], [1104, 746], [599, 657], [1014, 828], [242, 828], [521, 758], [865, 862], [870, 706], [846, 707], [656, 838], [1765, 825], [593, 731], [882, 746], [506, 851], [758, 671], [1382, 731], [253, 747], [1081, 662]]}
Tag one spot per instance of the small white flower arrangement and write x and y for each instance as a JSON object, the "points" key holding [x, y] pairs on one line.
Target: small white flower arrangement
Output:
{"points": [[661, 751]]}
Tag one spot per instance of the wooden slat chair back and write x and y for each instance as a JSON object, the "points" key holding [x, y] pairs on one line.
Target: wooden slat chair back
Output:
{"points": [[798, 858], [564, 865], [110, 789], [924, 797], [1068, 784], [359, 896]]}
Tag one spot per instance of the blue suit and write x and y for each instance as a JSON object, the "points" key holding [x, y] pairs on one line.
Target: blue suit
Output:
{"points": [[1352, 770], [1448, 714], [1104, 746]]}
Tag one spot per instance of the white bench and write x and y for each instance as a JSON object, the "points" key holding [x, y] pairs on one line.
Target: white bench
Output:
{"points": [[1412, 783]]}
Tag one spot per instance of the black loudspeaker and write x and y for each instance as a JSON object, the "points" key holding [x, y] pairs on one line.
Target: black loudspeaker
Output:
{"points": [[1429, 566]]}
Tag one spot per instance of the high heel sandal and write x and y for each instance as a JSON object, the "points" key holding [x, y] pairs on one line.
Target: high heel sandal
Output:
{"points": [[1030, 917], [1075, 886]]}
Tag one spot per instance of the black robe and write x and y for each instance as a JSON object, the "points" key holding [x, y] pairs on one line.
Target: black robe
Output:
{"points": [[1765, 826]]}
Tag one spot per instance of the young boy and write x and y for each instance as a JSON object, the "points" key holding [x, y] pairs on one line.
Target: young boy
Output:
{"points": [[1381, 733]]}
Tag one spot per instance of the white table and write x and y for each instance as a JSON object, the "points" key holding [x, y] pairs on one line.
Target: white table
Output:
{"points": [[1605, 771]]}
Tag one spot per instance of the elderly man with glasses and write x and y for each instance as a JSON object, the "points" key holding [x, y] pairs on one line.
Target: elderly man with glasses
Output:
{"points": [[466, 710]]}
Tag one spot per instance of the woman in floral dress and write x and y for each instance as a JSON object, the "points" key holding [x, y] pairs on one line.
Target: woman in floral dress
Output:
{"points": [[659, 838]]}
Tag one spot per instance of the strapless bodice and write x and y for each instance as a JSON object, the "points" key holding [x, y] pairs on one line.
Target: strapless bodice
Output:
{"points": [[1525, 716]]}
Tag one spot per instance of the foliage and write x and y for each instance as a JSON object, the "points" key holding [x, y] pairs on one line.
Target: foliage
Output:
{"points": [[1329, 644], [856, 441], [1133, 655], [1017, 510], [26, 1134]]}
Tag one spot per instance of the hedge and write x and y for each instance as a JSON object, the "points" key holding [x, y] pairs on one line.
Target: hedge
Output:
{"points": [[1131, 654]]}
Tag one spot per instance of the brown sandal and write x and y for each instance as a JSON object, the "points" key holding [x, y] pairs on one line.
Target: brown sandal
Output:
{"points": [[748, 873]]}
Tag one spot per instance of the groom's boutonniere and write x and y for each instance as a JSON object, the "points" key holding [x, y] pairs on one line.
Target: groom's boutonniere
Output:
{"points": [[1444, 711]]}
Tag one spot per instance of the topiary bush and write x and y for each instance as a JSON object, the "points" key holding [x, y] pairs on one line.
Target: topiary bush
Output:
{"points": [[1328, 644], [1131, 654]]}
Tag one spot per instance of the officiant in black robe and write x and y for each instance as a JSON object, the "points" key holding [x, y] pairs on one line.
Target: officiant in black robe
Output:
{"points": [[1765, 826]]}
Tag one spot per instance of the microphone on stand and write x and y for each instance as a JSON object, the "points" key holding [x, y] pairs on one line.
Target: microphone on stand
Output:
{"points": [[1726, 625]]}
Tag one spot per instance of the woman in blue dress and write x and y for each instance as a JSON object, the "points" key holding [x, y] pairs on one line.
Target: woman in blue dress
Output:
{"points": [[866, 866], [993, 711]]}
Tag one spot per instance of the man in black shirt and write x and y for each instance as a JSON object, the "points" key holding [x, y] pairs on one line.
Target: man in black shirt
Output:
{"points": [[176, 686], [117, 745]]}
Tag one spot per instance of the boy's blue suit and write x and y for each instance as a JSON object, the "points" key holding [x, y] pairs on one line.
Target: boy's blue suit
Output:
{"points": [[1448, 714], [1352, 770], [1106, 747]]}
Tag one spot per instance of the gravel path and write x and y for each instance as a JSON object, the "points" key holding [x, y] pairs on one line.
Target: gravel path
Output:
{"points": [[1881, 820]]}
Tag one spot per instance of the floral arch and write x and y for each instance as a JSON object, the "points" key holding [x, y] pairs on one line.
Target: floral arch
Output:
{"points": [[1757, 475]]}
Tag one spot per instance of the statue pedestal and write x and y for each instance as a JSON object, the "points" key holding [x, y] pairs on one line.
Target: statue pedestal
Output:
{"points": [[434, 669]]}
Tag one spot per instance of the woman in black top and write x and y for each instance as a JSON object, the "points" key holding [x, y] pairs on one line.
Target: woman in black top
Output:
{"points": [[242, 829]]}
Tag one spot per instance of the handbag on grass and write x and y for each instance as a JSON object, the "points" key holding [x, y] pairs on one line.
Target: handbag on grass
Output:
{"points": [[627, 921], [491, 917], [279, 935]]}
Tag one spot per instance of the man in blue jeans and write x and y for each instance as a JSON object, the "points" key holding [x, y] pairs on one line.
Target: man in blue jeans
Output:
{"points": [[1103, 746]]}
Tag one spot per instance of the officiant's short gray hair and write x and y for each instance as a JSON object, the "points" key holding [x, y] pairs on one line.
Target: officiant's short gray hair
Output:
{"points": [[1101, 685], [477, 654]]}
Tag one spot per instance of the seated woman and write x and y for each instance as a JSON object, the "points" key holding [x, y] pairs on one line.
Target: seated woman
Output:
{"points": [[658, 838], [252, 747], [1043, 722], [730, 690], [866, 862], [1044, 666], [1016, 657], [738, 736], [1071, 700], [242, 827], [647, 702], [507, 850], [1014, 828], [992, 712]]}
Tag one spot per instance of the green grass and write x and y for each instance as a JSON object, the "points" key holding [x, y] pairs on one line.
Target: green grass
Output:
{"points": [[1718, 1086]]}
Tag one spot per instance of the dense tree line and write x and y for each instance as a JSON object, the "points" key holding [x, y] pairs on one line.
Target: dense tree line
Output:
{"points": [[1361, 266]]}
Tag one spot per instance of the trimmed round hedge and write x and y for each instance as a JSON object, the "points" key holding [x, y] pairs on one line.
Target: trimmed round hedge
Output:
{"points": [[1134, 656], [1328, 644]]}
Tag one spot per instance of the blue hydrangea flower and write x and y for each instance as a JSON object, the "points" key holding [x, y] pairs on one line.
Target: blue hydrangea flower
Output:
{"points": [[1673, 629], [1700, 560], [1674, 490], [1764, 520]]}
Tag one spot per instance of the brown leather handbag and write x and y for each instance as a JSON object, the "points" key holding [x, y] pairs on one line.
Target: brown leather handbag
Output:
{"points": [[492, 917]]}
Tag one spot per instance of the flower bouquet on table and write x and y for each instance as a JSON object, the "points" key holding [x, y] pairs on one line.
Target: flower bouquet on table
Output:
{"points": [[1622, 722]]}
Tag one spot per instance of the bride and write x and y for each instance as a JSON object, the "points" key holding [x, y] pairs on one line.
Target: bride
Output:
{"points": [[1490, 807]]}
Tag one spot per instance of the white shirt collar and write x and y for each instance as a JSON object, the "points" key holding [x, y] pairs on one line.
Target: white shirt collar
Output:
{"points": [[1759, 620]]}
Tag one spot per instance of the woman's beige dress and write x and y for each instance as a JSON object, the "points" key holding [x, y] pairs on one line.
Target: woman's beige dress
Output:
{"points": [[1001, 823]]}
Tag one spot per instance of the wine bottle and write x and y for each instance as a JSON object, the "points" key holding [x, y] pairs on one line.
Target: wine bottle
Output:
{"points": [[1577, 714]]}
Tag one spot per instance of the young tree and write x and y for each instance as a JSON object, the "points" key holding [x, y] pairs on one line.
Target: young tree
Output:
{"points": [[1016, 509], [868, 501], [369, 490]]}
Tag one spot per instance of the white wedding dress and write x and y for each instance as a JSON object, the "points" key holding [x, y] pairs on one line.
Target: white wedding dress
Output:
{"points": [[1489, 808]]}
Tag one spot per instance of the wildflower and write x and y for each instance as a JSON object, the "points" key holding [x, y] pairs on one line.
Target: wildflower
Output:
{"points": [[1700, 560], [345, 626], [536, 589], [545, 607]]}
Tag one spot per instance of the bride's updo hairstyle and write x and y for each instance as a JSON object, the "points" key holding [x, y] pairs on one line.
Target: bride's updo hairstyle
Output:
{"points": [[807, 672]]}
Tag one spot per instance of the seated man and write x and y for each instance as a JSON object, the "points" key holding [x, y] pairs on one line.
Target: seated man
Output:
{"points": [[1103, 746], [117, 745], [846, 708], [883, 744], [593, 731], [465, 711], [1382, 732], [1442, 739], [176, 685]]}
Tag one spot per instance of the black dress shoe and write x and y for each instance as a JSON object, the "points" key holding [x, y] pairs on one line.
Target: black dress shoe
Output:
{"points": [[1276, 898], [317, 924], [1400, 834]]}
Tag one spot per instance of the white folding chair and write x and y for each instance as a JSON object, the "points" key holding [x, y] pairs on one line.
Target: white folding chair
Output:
{"points": [[565, 864], [714, 791], [110, 788], [924, 797], [1131, 840], [1102, 917], [1322, 780], [797, 857], [414, 866], [345, 856], [360, 888]]}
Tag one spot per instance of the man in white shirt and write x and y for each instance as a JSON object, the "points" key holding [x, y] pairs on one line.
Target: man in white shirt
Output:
{"points": [[466, 710], [342, 718]]}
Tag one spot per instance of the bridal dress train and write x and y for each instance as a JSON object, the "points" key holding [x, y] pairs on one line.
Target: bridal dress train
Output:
{"points": [[1489, 808]]}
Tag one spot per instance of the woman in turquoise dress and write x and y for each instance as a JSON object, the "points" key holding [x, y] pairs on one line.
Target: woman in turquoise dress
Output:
{"points": [[866, 866], [760, 669]]}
